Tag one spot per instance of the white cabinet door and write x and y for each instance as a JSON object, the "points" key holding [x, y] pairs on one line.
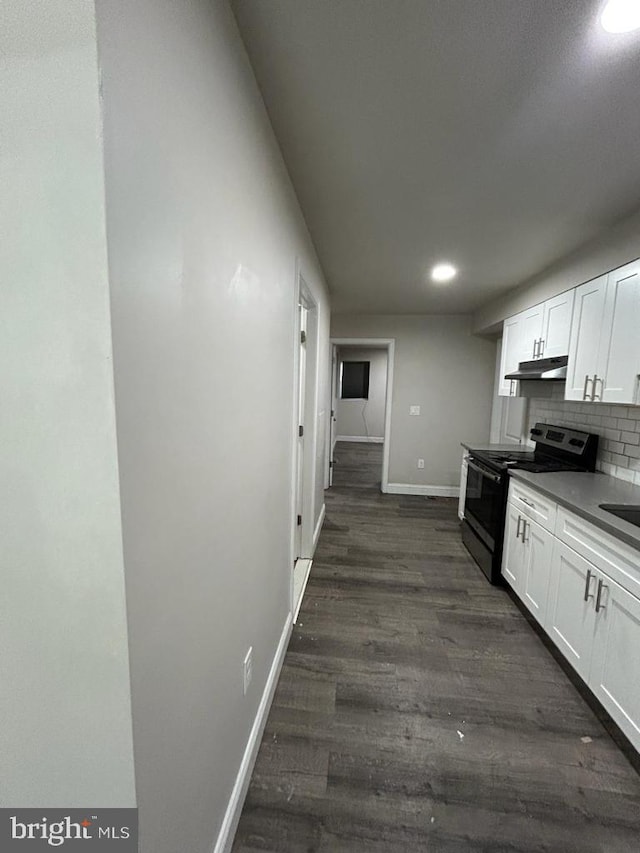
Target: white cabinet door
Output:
{"points": [[556, 327], [584, 344], [537, 574], [514, 550], [464, 467], [510, 358], [619, 363], [570, 618], [513, 420], [531, 332], [615, 665]]}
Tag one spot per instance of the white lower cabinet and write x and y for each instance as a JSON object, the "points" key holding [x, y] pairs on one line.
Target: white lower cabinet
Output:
{"points": [[592, 617], [539, 544], [615, 662], [571, 617], [527, 559], [513, 552]]}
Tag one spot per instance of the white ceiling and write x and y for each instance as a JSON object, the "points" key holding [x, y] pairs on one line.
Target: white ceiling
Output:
{"points": [[497, 134]]}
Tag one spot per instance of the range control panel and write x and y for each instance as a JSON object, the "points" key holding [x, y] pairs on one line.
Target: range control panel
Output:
{"points": [[563, 438]]}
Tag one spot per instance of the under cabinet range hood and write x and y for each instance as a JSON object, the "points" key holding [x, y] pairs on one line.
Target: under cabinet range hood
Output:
{"points": [[542, 368]]}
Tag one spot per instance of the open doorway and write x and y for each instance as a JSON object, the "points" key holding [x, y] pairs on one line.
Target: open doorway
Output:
{"points": [[362, 376]]}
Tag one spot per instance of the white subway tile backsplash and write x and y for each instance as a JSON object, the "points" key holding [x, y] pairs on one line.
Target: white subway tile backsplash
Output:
{"points": [[624, 474], [630, 437], [617, 426]]}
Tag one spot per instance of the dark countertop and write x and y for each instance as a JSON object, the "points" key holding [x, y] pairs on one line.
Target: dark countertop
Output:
{"points": [[582, 493]]}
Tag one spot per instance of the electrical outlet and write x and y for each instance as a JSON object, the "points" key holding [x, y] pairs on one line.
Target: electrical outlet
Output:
{"points": [[247, 669], [414, 410], [420, 463]]}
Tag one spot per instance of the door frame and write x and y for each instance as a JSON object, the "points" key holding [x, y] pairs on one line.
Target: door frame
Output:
{"points": [[303, 295], [374, 343]]}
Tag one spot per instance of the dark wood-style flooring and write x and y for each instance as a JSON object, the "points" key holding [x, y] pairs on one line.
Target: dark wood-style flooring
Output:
{"points": [[417, 709]]}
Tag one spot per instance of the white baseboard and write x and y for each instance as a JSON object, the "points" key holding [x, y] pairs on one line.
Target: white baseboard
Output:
{"points": [[301, 573], [370, 439], [239, 792], [318, 530], [434, 491]]}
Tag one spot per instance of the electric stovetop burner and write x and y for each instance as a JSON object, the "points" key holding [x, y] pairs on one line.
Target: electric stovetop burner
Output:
{"points": [[556, 449], [529, 461]]}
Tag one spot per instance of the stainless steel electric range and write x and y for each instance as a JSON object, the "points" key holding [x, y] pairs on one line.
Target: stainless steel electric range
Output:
{"points": [[557, 448]]}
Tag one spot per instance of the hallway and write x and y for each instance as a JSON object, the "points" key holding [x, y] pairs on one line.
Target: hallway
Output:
{"points": [[418, 711], [357, 465]]}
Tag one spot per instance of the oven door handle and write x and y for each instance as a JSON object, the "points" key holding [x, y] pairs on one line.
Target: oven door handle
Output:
{"points": [[483, 471]]}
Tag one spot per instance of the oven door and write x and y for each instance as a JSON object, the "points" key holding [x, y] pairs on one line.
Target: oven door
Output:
{"points": [[484, 502]]}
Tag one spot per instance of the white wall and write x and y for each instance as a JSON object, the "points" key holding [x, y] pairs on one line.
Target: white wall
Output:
{"points": [[65, 737], [617, 246], [204, 231], [364, 418], [443, 368]]}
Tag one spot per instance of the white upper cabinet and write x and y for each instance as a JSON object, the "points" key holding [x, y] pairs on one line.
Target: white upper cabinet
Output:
{"points": [[585, 338], [539, 332], [510, 358], [531, 325], [619, 357], [604, 354], [556, 325], [597, 324]]}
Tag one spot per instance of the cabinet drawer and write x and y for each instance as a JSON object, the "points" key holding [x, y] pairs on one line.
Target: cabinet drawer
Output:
{"points": [[533, 505], [610, 555]]}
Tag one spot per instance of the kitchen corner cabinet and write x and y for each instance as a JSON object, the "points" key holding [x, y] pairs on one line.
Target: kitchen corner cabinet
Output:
{"points": [[583, 586], [604, 351]]}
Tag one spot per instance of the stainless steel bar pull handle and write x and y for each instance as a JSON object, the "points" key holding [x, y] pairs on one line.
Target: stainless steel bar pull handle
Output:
{"points": [[535, 348], [587, 586], [596, 379], [518, 527], [586, 383], [541, 348], [599, 605], [524, 531]]}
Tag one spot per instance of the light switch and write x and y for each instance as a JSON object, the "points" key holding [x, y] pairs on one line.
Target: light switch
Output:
{"points": [[414, 410]]}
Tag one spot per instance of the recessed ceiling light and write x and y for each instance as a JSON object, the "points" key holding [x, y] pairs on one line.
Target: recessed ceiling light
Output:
{"points": [[443, 272], [621, 16]]}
